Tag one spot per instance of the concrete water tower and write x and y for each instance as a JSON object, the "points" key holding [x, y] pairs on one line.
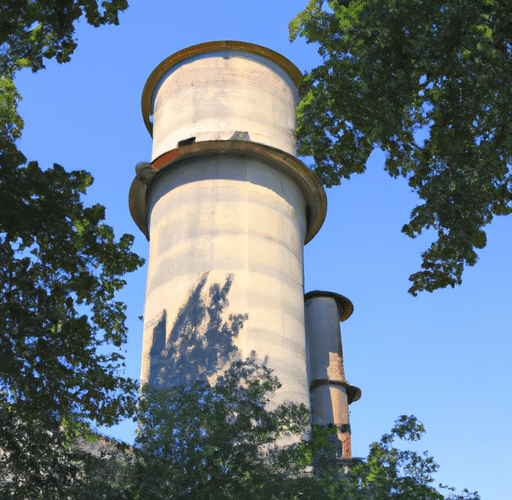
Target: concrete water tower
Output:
{"points": [[227, 208]]}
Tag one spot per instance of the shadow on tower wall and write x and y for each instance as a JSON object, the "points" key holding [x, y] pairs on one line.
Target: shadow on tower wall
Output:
{"points": [[200, 342]]}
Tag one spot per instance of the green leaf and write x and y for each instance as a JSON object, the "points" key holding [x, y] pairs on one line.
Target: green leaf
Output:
{"points": [[393, 69]]}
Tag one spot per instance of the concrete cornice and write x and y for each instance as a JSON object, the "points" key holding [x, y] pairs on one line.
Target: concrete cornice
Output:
{"points": [[345, 306], [310, 185]]}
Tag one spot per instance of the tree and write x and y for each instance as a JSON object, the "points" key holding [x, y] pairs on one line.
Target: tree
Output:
{"points": [[396, 474], [32, 30], [36, 457], [106, 470], [221, 441], [429, 84], [61, 268], [218, 441]]}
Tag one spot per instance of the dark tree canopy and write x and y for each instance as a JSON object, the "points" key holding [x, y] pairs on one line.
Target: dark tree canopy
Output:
{"points": [[31, 31], [60, 265], [218, 441], [61, 327], [60, 269], [34, 30], [429, 83]]}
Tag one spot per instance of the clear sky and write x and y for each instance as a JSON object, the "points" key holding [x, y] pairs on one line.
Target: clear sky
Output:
{"points": [[445, 357]]}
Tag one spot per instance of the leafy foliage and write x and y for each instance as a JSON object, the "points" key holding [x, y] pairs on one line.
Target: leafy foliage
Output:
{"points": [[34, 30], [219, 441], [428, 83], [106, 470], [224, 441], [11, 123], [60, 325], [33, 461], [60, 268], [396, 474], [31, 31]]}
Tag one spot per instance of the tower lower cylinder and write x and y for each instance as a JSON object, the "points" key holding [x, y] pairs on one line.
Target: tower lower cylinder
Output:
{"points": [[225, 275]]}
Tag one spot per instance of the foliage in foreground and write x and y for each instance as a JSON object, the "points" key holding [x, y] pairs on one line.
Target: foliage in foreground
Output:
{"points": [[34, 30], [395, 474], [61, 267], [219, 442], [428, 83], [61, 326]]}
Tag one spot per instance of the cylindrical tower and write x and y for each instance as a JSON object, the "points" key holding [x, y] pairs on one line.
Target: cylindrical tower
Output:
{"points": [[227, 208], [330, 392]]}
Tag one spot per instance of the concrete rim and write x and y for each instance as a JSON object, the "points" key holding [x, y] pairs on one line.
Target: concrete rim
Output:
{"points": [[345, 306], [203, 48], [310, 185], [353, 392]]}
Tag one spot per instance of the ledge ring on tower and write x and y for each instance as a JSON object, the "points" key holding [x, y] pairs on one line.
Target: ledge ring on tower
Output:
{"points": [[310, 185]]}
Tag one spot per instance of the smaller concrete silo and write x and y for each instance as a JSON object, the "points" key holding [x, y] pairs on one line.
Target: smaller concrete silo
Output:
{"points": [[330, 392]]}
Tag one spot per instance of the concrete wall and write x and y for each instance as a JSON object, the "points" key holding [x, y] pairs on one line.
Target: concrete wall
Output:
{"points": [[228, 218], [210, 91]]}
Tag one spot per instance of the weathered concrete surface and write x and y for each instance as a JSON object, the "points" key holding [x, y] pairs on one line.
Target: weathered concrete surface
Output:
{"points": [[227, 215], [237, 217], [331, 394], [211, 95]]}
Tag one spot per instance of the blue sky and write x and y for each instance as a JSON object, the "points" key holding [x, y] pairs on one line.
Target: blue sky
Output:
{"points": [[445, 357]]}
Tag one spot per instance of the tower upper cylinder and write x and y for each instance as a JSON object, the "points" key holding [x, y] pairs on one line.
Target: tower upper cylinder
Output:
{"points": [[212, 90]]}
